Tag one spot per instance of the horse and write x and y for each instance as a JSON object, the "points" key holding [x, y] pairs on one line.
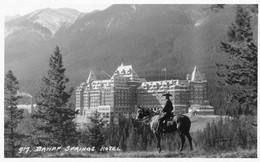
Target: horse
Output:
{"points": [[180, 123]]}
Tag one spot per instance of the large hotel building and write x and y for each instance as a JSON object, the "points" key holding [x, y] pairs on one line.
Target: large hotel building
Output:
{"points": [[124, 90]]}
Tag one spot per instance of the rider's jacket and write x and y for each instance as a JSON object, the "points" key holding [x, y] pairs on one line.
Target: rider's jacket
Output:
{"points": [[168, 106]]}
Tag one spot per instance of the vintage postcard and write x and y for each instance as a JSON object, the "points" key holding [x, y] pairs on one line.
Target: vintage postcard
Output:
{"points": [[130, 80]]}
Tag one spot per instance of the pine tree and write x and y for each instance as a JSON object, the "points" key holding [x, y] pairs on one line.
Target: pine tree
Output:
{"points": [[239, 73], [96, 134], [55, 125], [12, 115]]}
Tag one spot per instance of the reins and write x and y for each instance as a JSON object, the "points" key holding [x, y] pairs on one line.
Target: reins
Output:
{"points": [[148, 119]]}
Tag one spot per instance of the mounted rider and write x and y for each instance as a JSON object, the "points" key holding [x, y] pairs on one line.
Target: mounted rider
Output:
{"points": [[166, 112]]}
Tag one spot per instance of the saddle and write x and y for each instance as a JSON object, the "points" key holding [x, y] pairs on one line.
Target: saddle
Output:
{"points": [[166, 122], [162, 115], [168, 119]]}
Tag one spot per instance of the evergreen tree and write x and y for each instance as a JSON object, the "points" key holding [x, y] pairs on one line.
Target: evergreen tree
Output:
{"points": [[55, 125], [96, 130], [83, 137], [239, 73], [12, 115]]}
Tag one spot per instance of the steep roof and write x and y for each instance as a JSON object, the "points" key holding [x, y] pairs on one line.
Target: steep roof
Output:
{"points": [[127, 71], [91, 77], [196, 76]]}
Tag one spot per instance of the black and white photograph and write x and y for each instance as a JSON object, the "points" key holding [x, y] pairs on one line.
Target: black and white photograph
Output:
{"points": [[130, 79]]}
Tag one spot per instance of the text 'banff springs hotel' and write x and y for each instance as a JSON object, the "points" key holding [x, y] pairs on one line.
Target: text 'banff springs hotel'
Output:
{"points": [[124, 90]]}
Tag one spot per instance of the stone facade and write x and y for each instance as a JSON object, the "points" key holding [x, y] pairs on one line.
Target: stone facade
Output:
{"points": [[125, 90]]}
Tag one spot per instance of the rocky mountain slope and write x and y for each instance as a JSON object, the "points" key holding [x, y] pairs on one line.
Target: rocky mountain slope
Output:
{"points": [[44, 22], [9, 18], [150, 37]]}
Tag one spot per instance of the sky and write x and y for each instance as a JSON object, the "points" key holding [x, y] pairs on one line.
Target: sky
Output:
{"points": [[22, 7]]}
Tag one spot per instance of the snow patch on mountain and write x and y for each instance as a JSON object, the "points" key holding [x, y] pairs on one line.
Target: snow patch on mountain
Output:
{"points": [[200, 22], [87, 23], [9, 31], [54, 19], [9, 18], [134, 7], [109, 23]]}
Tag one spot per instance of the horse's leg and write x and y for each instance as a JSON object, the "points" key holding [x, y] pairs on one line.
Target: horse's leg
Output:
{"points": [[182, 136], [157, 134], [190, 140]]}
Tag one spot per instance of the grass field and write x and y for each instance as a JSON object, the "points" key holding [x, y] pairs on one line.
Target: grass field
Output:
{"points": [[199, 122], [163, 154]]}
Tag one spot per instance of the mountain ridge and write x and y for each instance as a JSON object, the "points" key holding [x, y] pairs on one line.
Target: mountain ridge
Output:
{"points": [[150, 37], [50, 19]]}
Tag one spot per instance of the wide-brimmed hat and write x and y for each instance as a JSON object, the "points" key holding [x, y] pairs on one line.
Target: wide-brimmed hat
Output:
{"points": [[167, 94]]}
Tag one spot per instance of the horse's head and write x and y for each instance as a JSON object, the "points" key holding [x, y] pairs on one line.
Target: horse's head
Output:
{"points": [[141, 113]]}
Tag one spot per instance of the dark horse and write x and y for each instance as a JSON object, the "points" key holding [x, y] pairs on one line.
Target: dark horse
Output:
{"points": [[180, 123]]}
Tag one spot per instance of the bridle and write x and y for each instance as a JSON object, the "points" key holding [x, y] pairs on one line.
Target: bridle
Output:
{"points": [[147, 117], [146, 120]]}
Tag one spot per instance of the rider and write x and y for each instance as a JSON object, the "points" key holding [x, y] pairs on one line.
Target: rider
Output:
{"points": [[166, 110]]}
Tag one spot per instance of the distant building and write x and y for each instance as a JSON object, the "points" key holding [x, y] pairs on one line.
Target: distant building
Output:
{"points": [[28, 108], [198, 94], [150, 94], [109, 97], [124, 90]]}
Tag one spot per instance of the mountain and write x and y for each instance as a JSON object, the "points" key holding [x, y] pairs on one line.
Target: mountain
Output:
{"points": [[45, 22], [150, 37], [9, 18], [26, 38]]}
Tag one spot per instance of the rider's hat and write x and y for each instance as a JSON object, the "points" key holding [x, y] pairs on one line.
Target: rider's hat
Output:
{"points": [[167, 94]]}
